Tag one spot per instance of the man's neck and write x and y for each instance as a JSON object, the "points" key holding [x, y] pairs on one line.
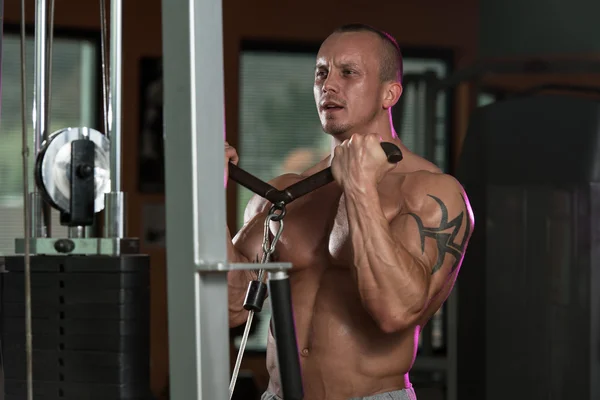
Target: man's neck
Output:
{"points": [[384, 130]]}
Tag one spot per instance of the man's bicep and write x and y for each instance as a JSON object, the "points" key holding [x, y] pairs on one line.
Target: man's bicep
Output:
{"points": [[437, 232]]}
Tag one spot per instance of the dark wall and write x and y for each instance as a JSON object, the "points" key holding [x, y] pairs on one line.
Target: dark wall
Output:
{"points": [[538, 27]]}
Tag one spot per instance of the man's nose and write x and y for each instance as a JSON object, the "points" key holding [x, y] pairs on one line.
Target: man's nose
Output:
{"points": [[331, 84]]}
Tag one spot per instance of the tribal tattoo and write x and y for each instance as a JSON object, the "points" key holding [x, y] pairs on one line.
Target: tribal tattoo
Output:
{"points": [[444, 235]]}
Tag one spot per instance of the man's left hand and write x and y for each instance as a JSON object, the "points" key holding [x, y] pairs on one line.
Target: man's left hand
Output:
{"points": [[360, 162]]}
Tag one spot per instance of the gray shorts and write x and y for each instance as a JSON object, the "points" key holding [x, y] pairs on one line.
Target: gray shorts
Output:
{"points": [[404, 394]]}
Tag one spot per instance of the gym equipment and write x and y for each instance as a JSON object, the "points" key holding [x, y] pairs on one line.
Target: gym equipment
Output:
{"points": [[81, 303], [530, 166]]}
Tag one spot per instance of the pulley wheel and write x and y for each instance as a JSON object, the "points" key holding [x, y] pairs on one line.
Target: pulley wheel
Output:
{"points": [[53, 167]]}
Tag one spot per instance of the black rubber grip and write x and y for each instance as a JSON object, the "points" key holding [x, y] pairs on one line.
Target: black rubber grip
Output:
{"points": [[249, 181], [299, 189], [255, 296], [284, 331], [393, 152]]}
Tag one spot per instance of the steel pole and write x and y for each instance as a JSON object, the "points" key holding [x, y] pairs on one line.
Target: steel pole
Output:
{"points": [[195, 199]]}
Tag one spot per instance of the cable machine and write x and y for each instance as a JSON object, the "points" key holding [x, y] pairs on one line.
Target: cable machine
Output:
{"points": [[75, 310]]}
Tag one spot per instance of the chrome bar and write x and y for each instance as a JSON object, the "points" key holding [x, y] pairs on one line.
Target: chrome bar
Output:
{"points": [[114, 218], [115, 109], [39, 107], [114, 215], [36, 207], [77, 232]]}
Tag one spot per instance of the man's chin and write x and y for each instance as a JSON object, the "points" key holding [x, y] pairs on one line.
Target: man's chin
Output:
{"points": [[335, 131]]}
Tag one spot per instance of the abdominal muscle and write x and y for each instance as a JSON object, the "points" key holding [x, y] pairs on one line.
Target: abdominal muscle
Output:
{"points": [[343, 353]]}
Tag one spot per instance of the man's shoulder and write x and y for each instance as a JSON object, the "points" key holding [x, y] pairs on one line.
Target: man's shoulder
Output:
{"points": [[419, 182], [435, 195]]}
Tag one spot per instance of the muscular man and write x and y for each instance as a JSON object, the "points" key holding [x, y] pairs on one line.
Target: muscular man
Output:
{"points": [[375, 253]]}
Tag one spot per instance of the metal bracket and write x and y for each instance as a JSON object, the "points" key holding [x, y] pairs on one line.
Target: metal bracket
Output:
{"points": [[224, 267], [79, 246]]}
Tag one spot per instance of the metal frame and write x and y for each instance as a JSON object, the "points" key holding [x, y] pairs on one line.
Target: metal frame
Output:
{"points": [[195, 199]]}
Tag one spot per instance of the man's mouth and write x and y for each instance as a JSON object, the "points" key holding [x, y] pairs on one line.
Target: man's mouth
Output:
{"points": [[329, 107]]}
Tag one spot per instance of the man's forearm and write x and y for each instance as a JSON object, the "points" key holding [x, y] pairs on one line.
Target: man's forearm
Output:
{"points": [[392, 286]]}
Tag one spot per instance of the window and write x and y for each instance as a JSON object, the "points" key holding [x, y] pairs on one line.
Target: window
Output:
{"points": [[410, 114], [486, 98], [280, 131], [74, 103]]}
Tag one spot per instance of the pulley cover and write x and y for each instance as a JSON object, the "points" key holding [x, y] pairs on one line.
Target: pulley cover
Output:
{"points": [[53, 166]]}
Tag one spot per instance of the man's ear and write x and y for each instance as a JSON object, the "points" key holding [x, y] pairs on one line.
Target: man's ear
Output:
{"points": [[391, 94]]}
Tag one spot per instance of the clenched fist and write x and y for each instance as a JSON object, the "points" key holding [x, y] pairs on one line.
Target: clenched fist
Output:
{"points": [[359, 162]]}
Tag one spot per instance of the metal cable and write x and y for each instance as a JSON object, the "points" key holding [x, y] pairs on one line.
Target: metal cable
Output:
{"points": [[268, 247], [238, 361], [27, 211]]}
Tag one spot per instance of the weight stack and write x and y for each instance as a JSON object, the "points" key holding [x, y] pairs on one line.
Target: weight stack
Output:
{"points": [[90, 325]]}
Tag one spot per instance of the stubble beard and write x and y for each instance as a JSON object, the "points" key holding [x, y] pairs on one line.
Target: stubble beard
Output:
{"points": [[334, 128]]}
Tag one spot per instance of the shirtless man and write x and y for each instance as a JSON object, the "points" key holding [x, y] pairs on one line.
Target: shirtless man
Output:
{"points": [[375, 253]]}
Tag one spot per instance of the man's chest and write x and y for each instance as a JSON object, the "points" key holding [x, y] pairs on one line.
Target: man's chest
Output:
{"points": [[319, 230]]}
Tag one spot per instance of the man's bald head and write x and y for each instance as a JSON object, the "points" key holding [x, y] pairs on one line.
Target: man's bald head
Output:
{"points": [[390, 65]]}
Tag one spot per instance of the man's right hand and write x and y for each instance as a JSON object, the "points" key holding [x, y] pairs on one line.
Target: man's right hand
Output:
{"points": [[230, 156]]}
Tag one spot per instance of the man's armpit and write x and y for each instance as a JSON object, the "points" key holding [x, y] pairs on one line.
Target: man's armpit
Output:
{"points": [[450, 231]]}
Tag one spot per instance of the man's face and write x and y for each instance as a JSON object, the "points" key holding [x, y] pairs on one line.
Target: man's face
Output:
{"points": [[347, 88]]}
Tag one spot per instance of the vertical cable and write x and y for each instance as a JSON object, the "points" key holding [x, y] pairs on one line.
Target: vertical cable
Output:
{"points": [[27, 211]]}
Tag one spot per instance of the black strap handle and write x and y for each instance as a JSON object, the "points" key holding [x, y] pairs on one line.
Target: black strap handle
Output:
{"points": [[299, 189]]}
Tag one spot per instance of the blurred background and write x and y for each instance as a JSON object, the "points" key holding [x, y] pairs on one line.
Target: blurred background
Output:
{"points": [[460, 59]]}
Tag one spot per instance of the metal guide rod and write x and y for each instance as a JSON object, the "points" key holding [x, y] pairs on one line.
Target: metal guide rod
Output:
{"points": [[39, 108], [49, 52], [46, 208], [114, 224], [40, 70], [195, 198], [105, 78], [115, 109]]}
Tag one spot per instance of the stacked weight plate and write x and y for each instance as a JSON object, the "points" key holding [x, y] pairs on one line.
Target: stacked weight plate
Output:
{"points": [[90, 324]]}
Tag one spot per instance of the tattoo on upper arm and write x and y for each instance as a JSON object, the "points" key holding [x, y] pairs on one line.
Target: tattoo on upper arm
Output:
{"points": [[444, 235]]}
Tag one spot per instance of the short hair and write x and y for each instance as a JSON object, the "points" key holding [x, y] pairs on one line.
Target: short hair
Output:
{"points": [[391, 65]]}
